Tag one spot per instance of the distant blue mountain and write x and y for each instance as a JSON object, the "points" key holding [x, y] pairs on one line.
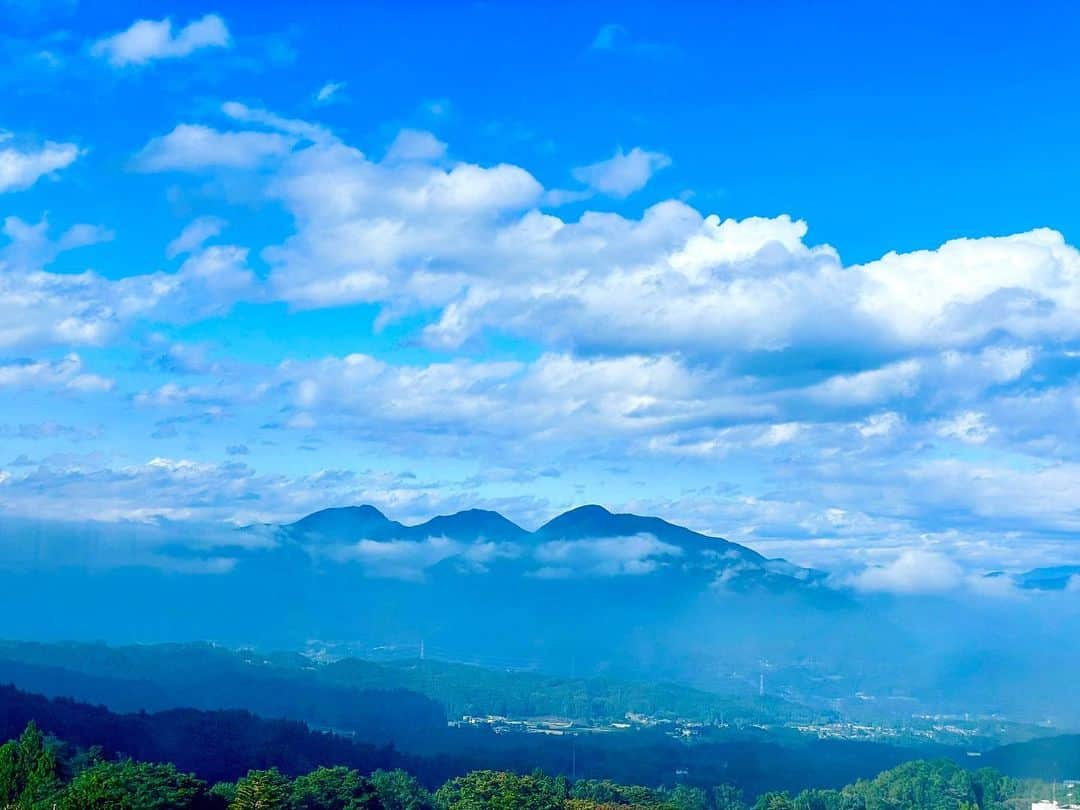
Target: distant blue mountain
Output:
{"points": [[589, 592], [1053, 578], [345, 524], [677, 548]]}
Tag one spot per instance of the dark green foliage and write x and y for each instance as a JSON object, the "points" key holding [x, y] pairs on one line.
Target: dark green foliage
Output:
{"points": [[728, 797], [912, 786], [926, 785], [200, 676], [39, 773], [604, 791], [218, 745], [29, 771], [224, 745], [499, 790], [129, 785], [336, 788], [684, 797], [223, 792], [1048, 759], [398, 790], [261, 790], [819, 799], [774, 800]]}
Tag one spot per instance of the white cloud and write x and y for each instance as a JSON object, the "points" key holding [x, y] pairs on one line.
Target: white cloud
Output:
{"points": [[913, 572], [624, 172], [885, 384], [1038, 494], [968, 427], [879, 424], [410, 559], [1026, 285], [195, 235], [20, 168], [71, 309], [193, 147], [604, 556], [329, 92], [469, 242], [669, 333], [148, 40], [232, 492], [29, 245], [558, 400], [66, 373], [411, 144]]}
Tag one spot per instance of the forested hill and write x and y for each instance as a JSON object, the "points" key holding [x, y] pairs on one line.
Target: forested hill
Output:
{"points": [[200, 676], [384, 700], [217, 745], [225, 744], [1050, 758]]}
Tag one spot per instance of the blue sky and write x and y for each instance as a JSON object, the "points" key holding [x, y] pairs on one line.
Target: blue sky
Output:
{"points": [[798, 275]]}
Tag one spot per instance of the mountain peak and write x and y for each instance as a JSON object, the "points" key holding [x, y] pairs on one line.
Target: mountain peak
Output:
{"points": [[473, 524], [345, 523], [588, 510], [593, 520]]}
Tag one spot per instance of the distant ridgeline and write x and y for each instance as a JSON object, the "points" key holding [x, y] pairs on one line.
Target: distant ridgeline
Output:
{"points": [[588, 588], [630, 598], [183, 760], [385, 700]]}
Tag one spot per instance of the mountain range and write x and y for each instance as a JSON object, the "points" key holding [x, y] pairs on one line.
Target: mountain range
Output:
{"points": [[589, 593], [588, 541]]}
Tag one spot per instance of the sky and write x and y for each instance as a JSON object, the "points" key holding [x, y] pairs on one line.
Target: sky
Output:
{"points": [[802, 276]]}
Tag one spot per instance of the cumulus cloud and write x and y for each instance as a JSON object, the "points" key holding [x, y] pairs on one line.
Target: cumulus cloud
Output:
{"points": [[66, 373], [472, 243], [192, 147], [604, 556], [149, 40], [968, 427], [411, 144], [21, 167], [194, 235], [557, 399], [72, 309], [878, 385], [411, 559], [859, 392], [913, 572], [623, 173], [29, 244], [228, 493]]}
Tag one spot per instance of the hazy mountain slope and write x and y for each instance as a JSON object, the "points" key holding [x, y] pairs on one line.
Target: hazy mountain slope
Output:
{"points": [[1049, 758], [589, 593], [225, 744], [217, 745], [159, 677], [379, 700]]}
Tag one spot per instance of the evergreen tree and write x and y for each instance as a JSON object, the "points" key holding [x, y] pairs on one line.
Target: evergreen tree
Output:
{"points": [[398, 790], [337, 788], [261, 790], [129, 785], [29, 771]]}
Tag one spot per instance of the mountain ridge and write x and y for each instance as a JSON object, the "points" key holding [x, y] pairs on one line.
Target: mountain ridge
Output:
{"points": [[589, 522]]}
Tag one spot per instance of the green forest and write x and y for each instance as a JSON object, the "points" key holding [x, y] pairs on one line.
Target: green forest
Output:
{"points": [[41, 772]]}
